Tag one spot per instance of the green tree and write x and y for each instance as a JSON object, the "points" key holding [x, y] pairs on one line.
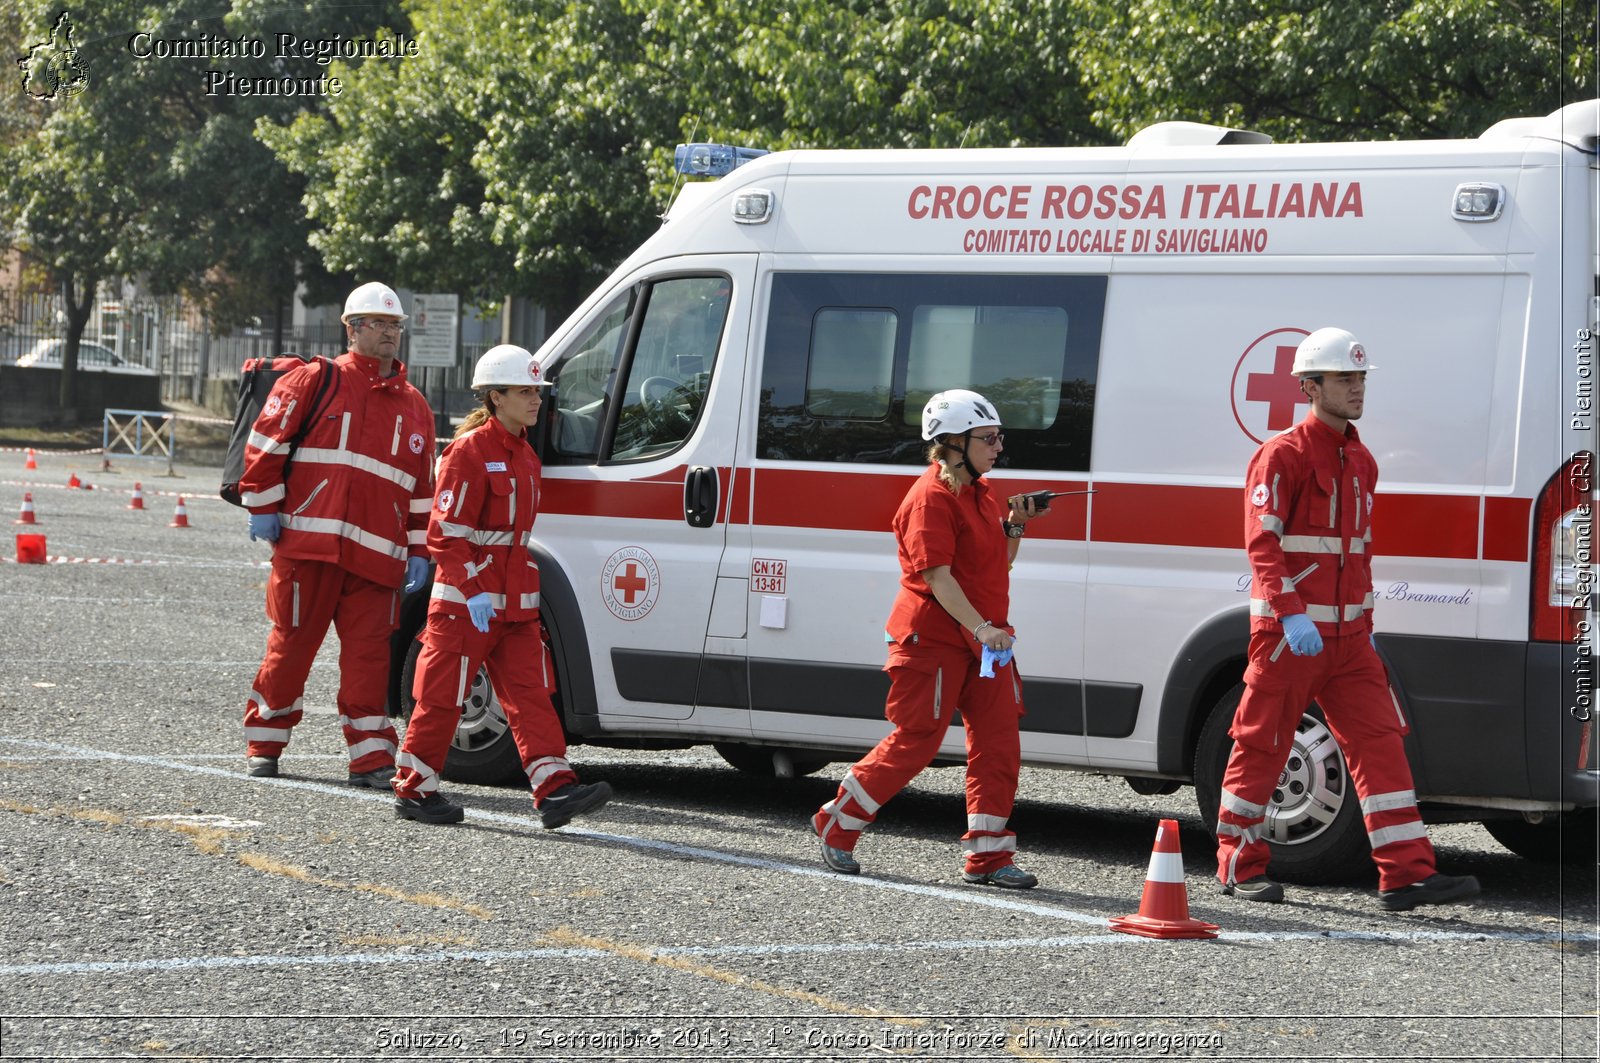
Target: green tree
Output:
{"points": [[144, 172], [1303, 70]]}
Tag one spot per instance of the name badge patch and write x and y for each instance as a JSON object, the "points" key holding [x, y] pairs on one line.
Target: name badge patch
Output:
{"points": [[494, 466]]}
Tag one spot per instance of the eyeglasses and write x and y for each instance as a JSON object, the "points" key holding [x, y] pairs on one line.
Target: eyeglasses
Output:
{"points": [[993, 438], [384, 326]]}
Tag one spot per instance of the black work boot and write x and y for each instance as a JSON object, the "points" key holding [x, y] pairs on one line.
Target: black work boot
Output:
{"points": [[262, 767], [1435, 889], [573, 799], [1261, 888], [376, 779], [434, 808]]}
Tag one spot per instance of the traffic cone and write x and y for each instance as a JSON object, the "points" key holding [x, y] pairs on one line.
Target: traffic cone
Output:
{"points": [[138, 496], [27, 516], [31, 463], [1164, 908], [180, 516], [73, 481]]}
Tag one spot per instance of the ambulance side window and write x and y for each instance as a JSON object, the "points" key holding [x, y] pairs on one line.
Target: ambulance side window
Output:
{"points": [[850, 360], [669, 370], [632, 385], [581, 394]]}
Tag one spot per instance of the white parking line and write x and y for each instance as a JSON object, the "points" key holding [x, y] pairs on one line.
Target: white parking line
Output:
{"points": [[530, 823]]}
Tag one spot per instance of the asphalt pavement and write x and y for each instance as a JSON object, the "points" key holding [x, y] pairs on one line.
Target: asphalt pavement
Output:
{"points": [[160, 903]]}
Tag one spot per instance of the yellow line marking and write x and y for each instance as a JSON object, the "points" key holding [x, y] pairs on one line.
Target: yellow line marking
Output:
{"points": [[210, 841]]}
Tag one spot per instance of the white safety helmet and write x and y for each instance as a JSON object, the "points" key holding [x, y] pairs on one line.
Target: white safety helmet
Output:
{"points": [[1330, 350], [372, 298], [507, 366], [956, 411]]}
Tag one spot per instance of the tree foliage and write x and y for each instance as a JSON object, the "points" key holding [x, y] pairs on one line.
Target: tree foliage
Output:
{"points": [[1303, 70]]}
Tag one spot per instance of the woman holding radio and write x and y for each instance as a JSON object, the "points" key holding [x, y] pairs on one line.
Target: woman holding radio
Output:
{"points": [[949, 647]]}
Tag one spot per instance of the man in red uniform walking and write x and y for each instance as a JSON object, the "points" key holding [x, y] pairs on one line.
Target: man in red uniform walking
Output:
{"points": [[347, 514], [1308, 530]]}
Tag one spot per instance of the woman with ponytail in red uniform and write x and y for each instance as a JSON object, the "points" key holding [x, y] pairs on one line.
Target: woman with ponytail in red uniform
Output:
{"points": [[485, 604]]}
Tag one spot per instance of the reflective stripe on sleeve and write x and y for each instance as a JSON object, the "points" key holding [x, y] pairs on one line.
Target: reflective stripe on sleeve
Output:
{"points": [[266, 444], [252, 499], [1272, 524], [446, 593]]}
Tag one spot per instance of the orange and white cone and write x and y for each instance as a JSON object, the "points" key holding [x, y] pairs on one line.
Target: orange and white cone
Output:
{"points": [[138, 496], [1164, 908], [73, 481], [180, 516], [27, 516], [31, 463]]}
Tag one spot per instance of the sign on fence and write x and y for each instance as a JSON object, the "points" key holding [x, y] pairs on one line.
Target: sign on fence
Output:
{"points": [[433, 330]]}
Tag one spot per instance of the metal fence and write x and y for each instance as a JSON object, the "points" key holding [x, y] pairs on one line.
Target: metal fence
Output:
{"points": [[167, 336]]}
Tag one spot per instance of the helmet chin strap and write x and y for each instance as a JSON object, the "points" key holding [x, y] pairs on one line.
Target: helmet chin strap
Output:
{"points": [[966, 462]]}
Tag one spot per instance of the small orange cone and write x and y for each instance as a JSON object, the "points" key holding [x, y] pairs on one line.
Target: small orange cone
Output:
{"points": [[138, 496], [1164, 908], [30, 548], [27, 516], [73, 481], [31, 463], [180, 516]]}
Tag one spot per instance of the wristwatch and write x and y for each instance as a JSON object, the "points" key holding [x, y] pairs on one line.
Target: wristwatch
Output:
{"points": [[1013, 531]]}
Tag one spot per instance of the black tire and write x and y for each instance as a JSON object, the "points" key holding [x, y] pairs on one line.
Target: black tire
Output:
{"points": [[1566, 839], [482, 752], [1314, 823], [757, 760]]}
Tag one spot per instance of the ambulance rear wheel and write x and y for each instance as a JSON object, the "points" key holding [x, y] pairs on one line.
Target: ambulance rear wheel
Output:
{"points": [[482, 752], [1313, 823], [757, 760]]}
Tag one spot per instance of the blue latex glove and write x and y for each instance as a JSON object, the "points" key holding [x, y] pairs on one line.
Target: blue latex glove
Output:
{"points": [[992, 658], [481, 611], [416, 573], [1302, 635], [264, 526]]}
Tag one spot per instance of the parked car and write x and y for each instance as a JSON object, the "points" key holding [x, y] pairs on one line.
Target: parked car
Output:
{"points": [[46, 354]]}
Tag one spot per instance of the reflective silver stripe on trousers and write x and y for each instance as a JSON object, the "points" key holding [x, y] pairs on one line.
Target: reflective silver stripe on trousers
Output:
{"points": [[371, 745], [267, 713], [990, 843], [1240, 807], [852, 786], [446, 593], [1389, 802], [324, 456], [543, 768], [266, 734], [461, 683], [1400, 832], [844, 819], [427, 782], [988, 823], [345, 530]]}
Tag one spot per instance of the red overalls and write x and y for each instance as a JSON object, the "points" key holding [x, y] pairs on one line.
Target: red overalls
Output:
{"points": [[353, 506], [478, 532], [933, 669], [1308, 530]]}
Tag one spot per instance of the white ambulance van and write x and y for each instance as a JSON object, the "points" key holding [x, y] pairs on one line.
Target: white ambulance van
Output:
{"points": [[736, 417]]}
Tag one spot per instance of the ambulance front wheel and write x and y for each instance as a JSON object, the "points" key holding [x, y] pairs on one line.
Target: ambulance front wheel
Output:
{"points": [[1313, 816], [482, 751], [770, 761]]}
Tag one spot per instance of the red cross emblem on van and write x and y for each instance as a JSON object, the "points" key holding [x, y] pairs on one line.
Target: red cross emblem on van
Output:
{"points": [[1266, 393]]}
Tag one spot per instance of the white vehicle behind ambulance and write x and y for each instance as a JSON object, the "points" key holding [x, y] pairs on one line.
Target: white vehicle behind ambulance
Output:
{"points": [[735, 419]]}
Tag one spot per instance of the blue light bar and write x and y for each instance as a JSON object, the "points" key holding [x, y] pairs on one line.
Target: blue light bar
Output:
{"points": [[712, 160]]}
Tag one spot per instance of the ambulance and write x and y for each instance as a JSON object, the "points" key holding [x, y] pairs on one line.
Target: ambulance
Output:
{"points": [[735, 417]]}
